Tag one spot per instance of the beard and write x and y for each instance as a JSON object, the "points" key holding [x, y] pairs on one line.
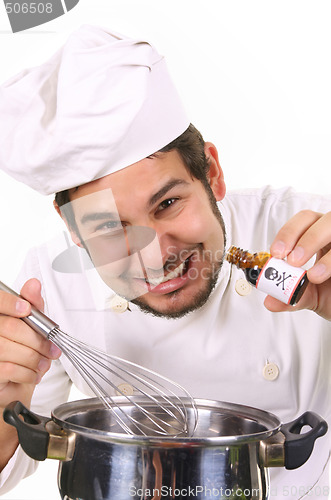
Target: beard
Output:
{"points": [[210, 279], [197, 301]]}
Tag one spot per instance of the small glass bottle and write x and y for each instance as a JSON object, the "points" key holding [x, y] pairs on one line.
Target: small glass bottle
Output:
{"points": [[273, 276]]}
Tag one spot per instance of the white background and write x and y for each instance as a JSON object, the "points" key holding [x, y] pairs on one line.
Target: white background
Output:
{"points": [[255, 77]]}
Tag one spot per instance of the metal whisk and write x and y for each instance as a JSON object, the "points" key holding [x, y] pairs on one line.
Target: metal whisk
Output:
{"points": [[169, 416]]}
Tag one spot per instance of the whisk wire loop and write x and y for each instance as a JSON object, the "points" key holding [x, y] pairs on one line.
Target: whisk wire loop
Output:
{"points": [[95, 386], [168, 403], [109, 402]]}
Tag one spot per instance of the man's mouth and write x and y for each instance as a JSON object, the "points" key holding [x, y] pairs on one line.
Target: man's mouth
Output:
{"points": [[176, 273], [172, 281], [167, 279]]}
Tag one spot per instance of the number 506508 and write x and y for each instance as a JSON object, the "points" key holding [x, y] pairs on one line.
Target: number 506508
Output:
{"points": [[28, 8]]}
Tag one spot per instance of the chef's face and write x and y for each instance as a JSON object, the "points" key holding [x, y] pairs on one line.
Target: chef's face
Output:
{"points": [[154, 232]]}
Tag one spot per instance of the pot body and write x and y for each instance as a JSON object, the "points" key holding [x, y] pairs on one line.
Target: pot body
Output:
{"points": [[100, 471], [227, 457], [221, 461]]}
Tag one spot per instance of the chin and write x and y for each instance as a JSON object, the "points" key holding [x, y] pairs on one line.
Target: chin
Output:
{"points": [[175, 307]]}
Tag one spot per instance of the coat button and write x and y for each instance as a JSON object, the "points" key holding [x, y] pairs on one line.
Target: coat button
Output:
{"points": [[118, 304], [270, 371], [125, 390], [242, 287]]}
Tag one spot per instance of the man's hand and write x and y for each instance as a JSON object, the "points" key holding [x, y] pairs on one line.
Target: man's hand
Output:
{"points": [[304, 235], [25, 356]]}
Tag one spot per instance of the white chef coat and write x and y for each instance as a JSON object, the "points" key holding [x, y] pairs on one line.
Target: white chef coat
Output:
{"points": [[219, 351]]}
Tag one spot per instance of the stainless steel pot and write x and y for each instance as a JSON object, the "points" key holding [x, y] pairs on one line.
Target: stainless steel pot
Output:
{"points": [[228, 456]]}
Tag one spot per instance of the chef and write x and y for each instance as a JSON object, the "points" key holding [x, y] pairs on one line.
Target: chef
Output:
{"points": [[144, 277]]}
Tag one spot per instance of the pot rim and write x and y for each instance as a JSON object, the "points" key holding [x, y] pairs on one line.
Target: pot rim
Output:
{"points": [[66, 410]]}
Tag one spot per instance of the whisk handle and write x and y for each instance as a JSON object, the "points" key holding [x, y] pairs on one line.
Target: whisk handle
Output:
{"points": [[37, 320]]}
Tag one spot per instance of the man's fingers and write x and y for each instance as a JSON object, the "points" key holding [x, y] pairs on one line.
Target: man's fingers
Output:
{"points": [[321, 271], [309, 300], [316, 238], [288, 237], [17, 332], [17, 374], [304, 235], [13, 306], [31, 291]]}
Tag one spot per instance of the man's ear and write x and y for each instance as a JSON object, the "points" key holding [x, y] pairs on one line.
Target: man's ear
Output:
{"points": [[215, 175], [74, 236]]}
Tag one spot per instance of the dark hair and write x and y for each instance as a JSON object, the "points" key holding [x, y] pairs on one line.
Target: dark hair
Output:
{"points": [[190, 146]]}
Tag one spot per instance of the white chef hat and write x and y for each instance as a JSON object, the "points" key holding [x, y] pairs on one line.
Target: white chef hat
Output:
{"points": [[101, 103]]}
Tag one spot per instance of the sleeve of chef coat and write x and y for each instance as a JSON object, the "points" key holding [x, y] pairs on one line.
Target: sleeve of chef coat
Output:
{"points": [[53, 390]]}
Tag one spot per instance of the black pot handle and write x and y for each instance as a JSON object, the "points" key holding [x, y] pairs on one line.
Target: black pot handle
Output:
{"points": [[298, 447], [32, 433]]}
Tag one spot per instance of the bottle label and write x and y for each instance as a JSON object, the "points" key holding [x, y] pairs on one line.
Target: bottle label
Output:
{"points": [[280, 280]]}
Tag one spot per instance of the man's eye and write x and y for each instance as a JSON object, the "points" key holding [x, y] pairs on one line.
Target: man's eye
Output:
{"points": [[109, 226], [166, 204]]}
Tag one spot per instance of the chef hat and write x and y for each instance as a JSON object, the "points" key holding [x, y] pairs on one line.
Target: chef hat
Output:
{"points": [[101, 103]]}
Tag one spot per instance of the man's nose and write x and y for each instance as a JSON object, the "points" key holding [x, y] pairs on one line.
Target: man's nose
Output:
{"points": [[157, 251], [151, 256]]}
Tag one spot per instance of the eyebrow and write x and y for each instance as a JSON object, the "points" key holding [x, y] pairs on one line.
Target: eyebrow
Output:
{"points": [[164, 190], [95, 216]]}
